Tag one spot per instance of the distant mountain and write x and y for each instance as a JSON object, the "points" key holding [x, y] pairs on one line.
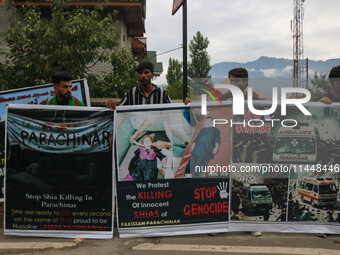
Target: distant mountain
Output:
{"points": [[266, 73], [267, 67]]}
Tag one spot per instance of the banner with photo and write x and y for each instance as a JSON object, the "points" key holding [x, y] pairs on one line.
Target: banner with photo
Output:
{"points": [[59, 171], [32, 95], [181, 172], [159, 189], [287, 170]]}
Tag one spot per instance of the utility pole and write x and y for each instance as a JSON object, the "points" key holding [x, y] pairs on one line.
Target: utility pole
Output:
{"points": [[176, 5], [307, 73], [185, 50], [297, 30]]}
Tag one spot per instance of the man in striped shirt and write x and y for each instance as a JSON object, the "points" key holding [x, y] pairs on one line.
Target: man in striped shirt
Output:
{"points": [[145, 92]]}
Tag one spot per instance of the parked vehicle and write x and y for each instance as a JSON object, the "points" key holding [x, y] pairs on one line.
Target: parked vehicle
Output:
{"points": [[296, 144], [256, 198], [318, 191]]}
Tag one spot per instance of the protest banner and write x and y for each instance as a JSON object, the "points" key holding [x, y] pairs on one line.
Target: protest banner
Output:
{"points": [[287, 170], [59, 171], [32, 95], [158, 190], [179, 172], [268, 173]]}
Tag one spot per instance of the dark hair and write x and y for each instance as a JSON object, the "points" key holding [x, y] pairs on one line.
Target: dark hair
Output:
{"points": [[334, 74], [239, 72], [61, 76], [145, 65]]}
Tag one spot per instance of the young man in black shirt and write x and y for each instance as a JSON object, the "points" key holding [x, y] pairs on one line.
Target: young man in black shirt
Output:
{"points": [[239, 78]]}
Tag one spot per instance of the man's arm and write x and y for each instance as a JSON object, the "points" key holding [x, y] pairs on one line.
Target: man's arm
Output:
{"points": [[110, 103], [187, 101], [326, 100]]}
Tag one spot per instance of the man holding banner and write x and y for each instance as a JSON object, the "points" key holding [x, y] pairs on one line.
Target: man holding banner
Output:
{"points": [[145, 92], [62, 83], [239, 78]]}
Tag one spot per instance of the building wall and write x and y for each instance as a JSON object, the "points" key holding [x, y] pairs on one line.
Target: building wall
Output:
{"points": [[124, 43]]}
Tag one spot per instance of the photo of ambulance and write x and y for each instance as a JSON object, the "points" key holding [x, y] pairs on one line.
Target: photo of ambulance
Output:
{"points": [[256, 198], [296, 144], [318, 191]]}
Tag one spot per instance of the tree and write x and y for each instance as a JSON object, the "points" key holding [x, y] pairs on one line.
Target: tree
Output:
{"points": [[174, 78], [175, 90], [117, 82], [321, 86], [199, 66], [70, 39], [174, 72]]}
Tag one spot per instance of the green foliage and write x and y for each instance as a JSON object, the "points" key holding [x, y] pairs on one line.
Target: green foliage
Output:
{"points": [[174, 72], [175, 90], [69, 39], [120, 80], [199, 66], [174, 78], [320, 86]]}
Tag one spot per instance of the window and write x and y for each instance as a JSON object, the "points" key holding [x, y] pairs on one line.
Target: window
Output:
{"points": [[245, 193], [309, 186], [302, 185]]}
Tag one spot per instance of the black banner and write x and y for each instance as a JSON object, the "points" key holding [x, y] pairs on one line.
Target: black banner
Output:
{"points": [[59, 193], [32, 95]]}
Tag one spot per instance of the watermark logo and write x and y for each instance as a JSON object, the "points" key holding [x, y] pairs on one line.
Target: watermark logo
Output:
{"points": [[204, 97], [239, 100]]}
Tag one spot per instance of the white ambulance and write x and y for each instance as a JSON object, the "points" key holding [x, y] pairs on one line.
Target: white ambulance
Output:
{"points": [[296, 144], [318, 191]]}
